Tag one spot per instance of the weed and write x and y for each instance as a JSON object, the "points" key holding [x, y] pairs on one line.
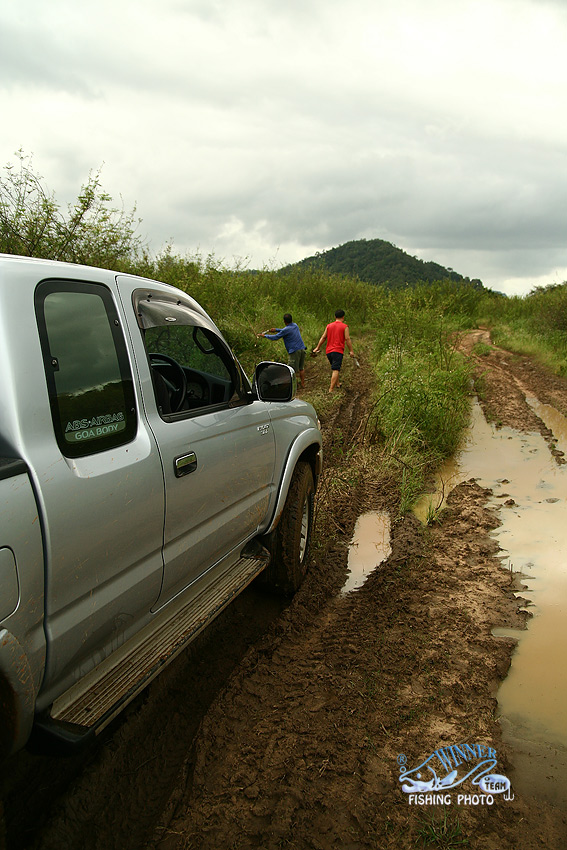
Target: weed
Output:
{"points": [[443, 832], [482, 349], [434, 513], [436, 509]]}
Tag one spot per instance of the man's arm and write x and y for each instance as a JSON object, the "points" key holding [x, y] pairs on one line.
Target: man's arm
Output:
{"points": [[276, 333], [349, 342], [320, 343]]}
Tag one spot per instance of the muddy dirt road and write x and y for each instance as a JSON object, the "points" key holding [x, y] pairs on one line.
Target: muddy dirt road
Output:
{"points": [[287, 727]]}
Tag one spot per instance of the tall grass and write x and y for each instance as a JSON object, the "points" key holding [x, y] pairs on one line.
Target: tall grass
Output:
{"points": [[422, 403], [244, 303], [535, 325]]}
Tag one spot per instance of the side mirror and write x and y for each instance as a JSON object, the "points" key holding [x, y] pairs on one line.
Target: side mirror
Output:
{"points": [[274, 382]]}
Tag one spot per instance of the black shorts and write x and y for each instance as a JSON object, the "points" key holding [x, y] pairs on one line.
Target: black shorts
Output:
{"points": [[335, 358]]}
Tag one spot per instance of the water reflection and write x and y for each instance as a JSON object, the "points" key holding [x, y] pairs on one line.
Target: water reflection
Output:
{"points": [[370, 546]]}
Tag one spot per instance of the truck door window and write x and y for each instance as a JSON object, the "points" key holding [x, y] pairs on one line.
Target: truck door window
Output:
{"points": [[86, 364], [191, 367]]}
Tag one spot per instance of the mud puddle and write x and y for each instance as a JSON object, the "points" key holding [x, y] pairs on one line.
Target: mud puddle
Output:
{"points": [[531, 490], [370, 546]]}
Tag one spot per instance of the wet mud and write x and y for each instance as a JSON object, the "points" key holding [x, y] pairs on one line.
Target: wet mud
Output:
{"points": [[112, 795], [298, 739]]}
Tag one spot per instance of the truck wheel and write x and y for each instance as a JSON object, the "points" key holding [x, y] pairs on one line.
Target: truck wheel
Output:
{"points": [[289, 542]]}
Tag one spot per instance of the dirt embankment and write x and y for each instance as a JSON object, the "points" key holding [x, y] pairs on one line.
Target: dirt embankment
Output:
{"points": [[297, 744]]}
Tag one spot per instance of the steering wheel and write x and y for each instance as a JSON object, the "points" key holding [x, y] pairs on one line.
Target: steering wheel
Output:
{"points": [[176, 385]]}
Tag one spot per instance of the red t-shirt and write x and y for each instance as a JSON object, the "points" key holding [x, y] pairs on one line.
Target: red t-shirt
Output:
{"points": [[336, 336]]}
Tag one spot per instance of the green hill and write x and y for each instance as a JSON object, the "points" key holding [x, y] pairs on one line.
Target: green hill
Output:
{"points": [[381, 263]]}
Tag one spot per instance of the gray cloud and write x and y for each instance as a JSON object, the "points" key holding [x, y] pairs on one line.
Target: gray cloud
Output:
{"points": [[266, 130], [35, 62]]}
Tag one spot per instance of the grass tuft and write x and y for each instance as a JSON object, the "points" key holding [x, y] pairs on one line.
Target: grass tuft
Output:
{"points": [[443, 832]]}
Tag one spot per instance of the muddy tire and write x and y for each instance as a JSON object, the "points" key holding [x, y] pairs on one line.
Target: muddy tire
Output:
{"points": [[289, 542]]}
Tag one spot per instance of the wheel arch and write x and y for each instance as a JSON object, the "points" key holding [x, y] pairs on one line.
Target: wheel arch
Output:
{"points": [[305, 448], [288, 543]]}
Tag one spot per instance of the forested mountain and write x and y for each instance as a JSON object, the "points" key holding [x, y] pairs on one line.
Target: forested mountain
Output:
{"points": [[381, 263]]}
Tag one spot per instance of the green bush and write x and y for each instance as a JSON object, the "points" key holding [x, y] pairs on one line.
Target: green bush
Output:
{"points": [[91, 231], [423, 404]]}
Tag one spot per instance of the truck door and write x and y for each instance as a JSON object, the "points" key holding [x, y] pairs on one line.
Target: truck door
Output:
{"points": [[99, 481], [217, 445]]}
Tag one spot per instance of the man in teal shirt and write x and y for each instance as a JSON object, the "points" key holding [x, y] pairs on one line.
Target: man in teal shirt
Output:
{"points": [[295, 346]]}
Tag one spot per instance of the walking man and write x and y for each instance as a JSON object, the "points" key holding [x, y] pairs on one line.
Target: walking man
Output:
{"points": [[295, 346], [337, 335]]}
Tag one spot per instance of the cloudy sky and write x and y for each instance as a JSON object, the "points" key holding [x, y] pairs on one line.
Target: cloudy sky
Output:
{"points": [[266, 130]]}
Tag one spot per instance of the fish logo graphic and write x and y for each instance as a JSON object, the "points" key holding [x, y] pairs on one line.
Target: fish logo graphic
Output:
{"points": [[449, 767]]}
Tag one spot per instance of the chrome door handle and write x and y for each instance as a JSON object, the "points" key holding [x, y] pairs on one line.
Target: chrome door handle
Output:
{"points": [[184, 464]]}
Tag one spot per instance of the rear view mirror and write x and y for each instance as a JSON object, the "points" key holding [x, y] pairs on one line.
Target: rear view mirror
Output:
{"points": [[274, 382]]}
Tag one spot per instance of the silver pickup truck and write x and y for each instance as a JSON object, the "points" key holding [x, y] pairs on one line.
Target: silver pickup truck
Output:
{"points": [[144, 482]]}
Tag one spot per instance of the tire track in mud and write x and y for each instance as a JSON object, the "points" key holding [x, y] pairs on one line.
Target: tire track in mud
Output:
{"points": [[313, 604], [349, 414], [113, 795], [288, 677], [339, 499], [502, 375]]}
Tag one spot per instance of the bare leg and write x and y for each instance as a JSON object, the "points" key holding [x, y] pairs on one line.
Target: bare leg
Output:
{"points": [[334, 379]]}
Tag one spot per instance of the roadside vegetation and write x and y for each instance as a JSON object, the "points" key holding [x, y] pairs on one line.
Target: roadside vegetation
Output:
{"points": [[407, 336], [535, 325]]}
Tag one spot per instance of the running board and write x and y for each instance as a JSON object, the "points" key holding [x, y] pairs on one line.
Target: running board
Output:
{"points": [[95, 700]]}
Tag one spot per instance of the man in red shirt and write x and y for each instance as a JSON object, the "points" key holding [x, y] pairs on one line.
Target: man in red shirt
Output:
{"points": [[336, 334]]}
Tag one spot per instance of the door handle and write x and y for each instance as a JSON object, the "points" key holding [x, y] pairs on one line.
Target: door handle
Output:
{"points": [[184, 464]]}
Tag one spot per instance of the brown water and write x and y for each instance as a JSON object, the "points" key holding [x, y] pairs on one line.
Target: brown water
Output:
{"points": [[370, 546], [533, 536]]}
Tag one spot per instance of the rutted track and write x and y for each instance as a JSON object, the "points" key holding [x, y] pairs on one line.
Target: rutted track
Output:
{"points": [[112, 796], [285, 732]]}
